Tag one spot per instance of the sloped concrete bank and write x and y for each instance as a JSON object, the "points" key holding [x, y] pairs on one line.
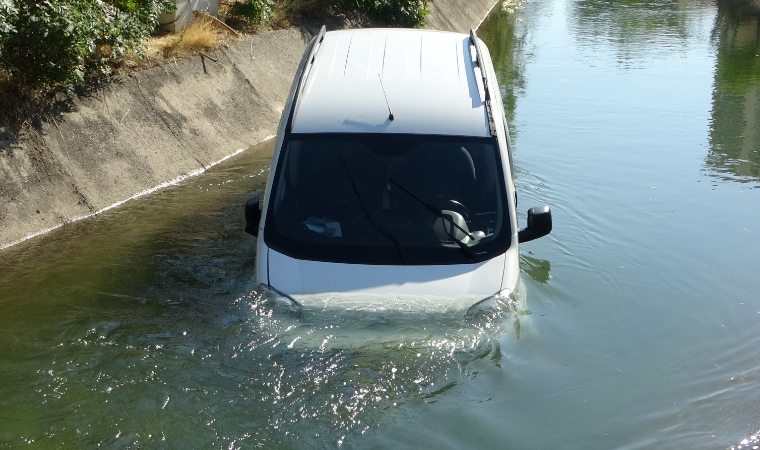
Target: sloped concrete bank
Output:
{"points": [[159, 126]]}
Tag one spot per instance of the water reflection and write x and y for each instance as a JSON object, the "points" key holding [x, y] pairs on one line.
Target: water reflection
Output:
{"points": [[735, 124], [629, 24], [505, 35], [537, 269]]}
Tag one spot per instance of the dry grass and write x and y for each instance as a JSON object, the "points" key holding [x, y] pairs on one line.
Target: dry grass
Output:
{"points": [[201, 35]]}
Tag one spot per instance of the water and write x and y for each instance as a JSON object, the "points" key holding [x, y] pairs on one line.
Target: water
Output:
{"points": [[637, 121]]}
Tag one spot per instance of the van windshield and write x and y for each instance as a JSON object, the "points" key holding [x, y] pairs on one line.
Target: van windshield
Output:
{"points": [[388, 199]]}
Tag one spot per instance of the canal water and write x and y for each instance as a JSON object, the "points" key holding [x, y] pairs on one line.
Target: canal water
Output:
{"points": [[638, 121]]}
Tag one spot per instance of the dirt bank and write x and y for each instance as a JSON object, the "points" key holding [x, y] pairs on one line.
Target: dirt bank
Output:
{"points": [[158, 126]]}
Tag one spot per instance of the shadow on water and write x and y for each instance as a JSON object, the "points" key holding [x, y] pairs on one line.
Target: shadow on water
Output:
{"points": [[735, 116]]}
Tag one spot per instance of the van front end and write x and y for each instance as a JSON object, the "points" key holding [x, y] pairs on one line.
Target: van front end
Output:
{"points": [[384, 193]]}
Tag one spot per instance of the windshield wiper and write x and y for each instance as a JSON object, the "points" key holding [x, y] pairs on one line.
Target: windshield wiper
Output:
{"points": [[438, 212], [380, 228]]}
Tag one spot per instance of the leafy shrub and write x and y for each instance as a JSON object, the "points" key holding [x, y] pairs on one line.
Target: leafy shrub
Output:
{"points": [[68, 41], [8, 13], [398, 13], [257, 11]]}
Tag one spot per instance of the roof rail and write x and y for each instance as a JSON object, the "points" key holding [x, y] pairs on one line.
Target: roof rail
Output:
{"points": [[486, 88], [320, 38], [306, 63]]}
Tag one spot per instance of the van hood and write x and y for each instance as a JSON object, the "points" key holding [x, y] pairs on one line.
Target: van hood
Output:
{"points": [[325, 284]]}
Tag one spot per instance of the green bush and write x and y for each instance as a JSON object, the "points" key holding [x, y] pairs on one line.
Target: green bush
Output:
{"points": [[257, 11], [8, 13], [66, 42], [398, 13]]}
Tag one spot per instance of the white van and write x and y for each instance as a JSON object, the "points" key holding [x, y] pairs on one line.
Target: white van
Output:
{"points": [[392, 175]]}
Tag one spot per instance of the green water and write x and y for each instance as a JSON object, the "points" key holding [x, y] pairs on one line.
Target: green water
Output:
{"points": [[637, 121]]}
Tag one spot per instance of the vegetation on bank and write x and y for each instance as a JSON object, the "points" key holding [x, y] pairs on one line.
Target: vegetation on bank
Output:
{"points": [[53, 44], [67, 42], [398, 13]]}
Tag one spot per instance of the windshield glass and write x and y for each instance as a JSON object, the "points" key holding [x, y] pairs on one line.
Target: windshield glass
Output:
{"points": [[388, 199]]}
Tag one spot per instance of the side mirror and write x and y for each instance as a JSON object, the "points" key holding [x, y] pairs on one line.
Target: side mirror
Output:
{"points": [[539, 224], [252, 216]]}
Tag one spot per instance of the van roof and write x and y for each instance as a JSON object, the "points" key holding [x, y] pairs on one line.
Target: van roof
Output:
{"points": [[428, 77]]}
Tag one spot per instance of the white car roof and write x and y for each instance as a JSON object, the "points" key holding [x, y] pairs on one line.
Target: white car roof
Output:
{"points": [[428, 77]]}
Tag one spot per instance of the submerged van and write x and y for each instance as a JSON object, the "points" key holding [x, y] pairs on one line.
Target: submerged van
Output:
{"points": [[392, 175]]}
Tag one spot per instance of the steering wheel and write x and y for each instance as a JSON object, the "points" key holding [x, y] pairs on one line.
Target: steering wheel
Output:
{"points": [[453, 205]]}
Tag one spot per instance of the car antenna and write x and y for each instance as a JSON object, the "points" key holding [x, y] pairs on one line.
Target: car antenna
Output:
{"points": [[390, 113]]}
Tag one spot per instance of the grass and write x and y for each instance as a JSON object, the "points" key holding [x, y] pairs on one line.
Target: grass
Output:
{"points": [[201, 35]]}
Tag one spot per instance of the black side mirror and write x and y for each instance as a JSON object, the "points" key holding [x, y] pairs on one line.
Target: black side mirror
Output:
{"points": [[539, 224], [252, 216]]}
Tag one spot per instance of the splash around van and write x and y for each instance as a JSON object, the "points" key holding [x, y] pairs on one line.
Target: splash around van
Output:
{"points": [[391, 184]]}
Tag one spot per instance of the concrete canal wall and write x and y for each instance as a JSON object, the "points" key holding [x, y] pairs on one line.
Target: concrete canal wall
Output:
{"points": [[159, 126]]}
